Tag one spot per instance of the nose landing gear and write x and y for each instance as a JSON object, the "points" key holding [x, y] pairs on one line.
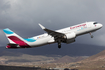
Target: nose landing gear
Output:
{"points": [[91, 35]]}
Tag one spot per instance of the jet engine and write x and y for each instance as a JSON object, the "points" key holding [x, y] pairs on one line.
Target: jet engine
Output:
{"points": [[70, 37]]}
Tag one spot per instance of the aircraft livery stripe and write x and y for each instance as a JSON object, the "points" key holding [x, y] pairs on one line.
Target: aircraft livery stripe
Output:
{"points": [[8, 31], [18, 41]]}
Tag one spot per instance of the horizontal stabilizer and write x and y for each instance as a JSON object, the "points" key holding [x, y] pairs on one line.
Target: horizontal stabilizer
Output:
{"points": [[12, 44]]}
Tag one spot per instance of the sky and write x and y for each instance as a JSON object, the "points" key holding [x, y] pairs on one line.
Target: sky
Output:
{"points": [[23, 16]]}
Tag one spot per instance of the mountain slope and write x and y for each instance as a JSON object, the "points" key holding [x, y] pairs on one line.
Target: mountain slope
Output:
{"points": [[100, 56], [95, 62], [68, 59]]}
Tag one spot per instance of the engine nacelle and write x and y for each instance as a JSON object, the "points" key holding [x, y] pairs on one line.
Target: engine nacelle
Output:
{"points": [[70, 35]]}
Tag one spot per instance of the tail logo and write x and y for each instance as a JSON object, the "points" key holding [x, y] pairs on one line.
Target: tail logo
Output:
{"points": [[18, 41], [7, 31]]}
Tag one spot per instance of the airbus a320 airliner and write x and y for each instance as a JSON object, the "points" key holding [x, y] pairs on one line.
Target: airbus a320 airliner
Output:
{"points": [[65, 35]]}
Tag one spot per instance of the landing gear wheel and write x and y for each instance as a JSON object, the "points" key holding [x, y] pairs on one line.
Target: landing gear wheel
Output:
{"points": [[59, 46], [92, 36]]}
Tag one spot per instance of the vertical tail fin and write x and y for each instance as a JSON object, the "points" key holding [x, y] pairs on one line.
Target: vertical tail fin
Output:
{"points": [[10, 34], [14, 38]]}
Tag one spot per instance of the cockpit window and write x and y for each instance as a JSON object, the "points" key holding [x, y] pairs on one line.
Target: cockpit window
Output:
{"points": [[95, 23]]}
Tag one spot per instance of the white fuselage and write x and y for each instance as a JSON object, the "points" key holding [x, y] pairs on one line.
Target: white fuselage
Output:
{"points": [[79, 29]]}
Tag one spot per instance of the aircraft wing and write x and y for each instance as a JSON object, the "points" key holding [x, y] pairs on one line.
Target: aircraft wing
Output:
{"points": [[52, 33]]}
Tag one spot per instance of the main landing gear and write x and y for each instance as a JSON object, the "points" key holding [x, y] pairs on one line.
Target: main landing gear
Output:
{"points": [[59, 44], [91, 35]]}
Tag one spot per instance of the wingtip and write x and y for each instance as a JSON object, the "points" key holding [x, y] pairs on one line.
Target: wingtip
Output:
{"points": [[41, 26]]}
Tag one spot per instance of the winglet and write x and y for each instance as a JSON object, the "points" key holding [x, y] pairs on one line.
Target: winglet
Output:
{"points": [[41, 26]]}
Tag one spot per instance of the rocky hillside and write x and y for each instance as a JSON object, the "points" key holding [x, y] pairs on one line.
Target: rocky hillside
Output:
{"points": [[95, 62], [52, 61], [68, 59]]}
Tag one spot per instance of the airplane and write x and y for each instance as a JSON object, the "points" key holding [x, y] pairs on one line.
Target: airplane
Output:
{"points": [[65, 35]]}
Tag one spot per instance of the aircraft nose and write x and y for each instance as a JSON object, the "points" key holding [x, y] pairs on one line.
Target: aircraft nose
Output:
{"points": [[101, 25]]}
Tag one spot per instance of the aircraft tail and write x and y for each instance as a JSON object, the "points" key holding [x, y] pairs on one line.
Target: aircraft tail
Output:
{"points": [[15, 40]]}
